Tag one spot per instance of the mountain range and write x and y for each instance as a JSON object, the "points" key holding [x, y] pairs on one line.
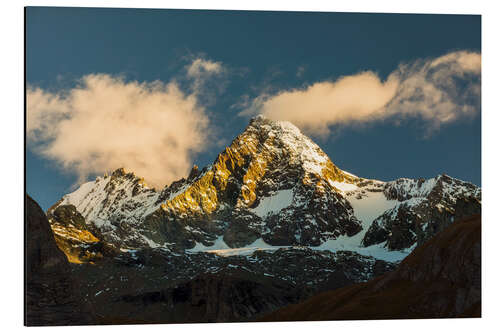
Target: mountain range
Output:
{"points": [[271, 222]]}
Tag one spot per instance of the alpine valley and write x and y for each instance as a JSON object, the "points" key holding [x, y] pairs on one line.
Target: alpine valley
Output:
{"points": [[272, 222]]}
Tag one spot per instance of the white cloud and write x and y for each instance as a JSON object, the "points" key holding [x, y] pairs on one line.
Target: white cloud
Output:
{"points": [[104, 123], [438, 90], [201, 66], [200, 70]]}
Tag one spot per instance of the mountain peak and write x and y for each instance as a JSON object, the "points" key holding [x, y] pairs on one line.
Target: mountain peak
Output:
{"points": [[258, 118], [119, 172], [263, 123], [267, 157], [283, 141]]}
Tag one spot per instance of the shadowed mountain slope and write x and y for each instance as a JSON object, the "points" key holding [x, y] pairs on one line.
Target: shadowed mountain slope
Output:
{"points": [[49, 289], [440, 279]]}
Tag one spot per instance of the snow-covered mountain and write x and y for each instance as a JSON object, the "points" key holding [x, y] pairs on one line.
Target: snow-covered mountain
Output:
{"points": [[272, 187], [270, 222]]}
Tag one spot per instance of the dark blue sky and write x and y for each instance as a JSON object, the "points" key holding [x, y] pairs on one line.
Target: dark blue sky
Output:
{"points": [[260, 49]]}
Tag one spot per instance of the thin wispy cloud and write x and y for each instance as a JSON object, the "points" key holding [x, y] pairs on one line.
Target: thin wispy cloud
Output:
{"points": [[201, 70], [104, 122], [300, 71], [201, 66], [206, 78], [439, 91]]}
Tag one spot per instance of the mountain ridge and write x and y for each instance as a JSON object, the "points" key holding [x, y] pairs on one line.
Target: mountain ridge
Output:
{"points": [[275, 186], [272, 214]]}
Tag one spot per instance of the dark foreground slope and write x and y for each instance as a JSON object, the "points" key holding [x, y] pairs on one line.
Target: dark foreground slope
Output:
{"points": [[225, 296], [440, 279], [49, 289], [159, 286]]}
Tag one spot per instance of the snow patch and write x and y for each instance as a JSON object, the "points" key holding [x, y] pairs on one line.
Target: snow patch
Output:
{"points": [[377, 251], [302, 148], [274, 204], [370, 206], [150, 242], [367, 206], [344, 187], [218, 245], [257, 245], [77, 196]]}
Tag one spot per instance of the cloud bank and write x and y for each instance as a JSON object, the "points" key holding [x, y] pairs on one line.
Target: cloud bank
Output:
{"points": [[439, 91], [151, 128]]}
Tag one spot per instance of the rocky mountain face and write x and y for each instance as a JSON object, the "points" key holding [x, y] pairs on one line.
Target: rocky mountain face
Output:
{"points": [[440, 279], [271, 185], [270, 222], [72, 235], [49, 284], [268, 178], [424, 207]]}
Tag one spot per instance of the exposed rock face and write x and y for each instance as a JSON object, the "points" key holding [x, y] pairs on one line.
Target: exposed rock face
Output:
{"points": [[74, 239], [67, 215], [439, 279], [423, 209], [50, 298]]}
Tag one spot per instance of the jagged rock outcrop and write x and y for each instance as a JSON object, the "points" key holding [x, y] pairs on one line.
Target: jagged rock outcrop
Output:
{"points": [[73, 237], [50, 297], [424, 208], [439, 279]]}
